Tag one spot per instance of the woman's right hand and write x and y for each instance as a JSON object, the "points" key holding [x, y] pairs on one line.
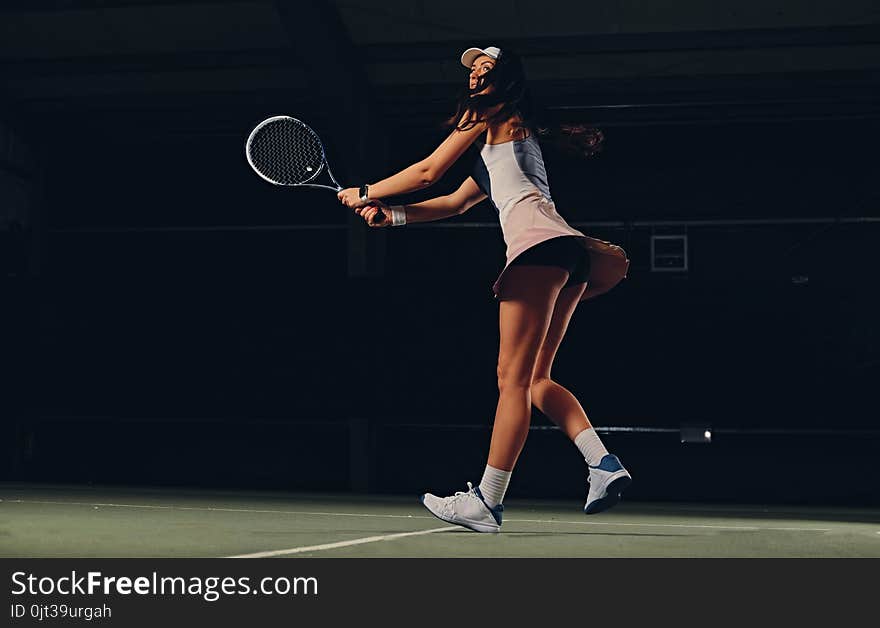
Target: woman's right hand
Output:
{"points": [[376, 214]]}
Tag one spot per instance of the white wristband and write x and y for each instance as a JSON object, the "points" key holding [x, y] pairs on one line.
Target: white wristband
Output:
{"points": [[398, 215]]}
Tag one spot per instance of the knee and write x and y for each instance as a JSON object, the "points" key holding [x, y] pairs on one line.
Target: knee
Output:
{"points": [[509, 379]]}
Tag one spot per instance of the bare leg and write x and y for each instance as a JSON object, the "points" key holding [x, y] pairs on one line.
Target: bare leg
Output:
{"points": [[555, 401], [607, 477], [524, 318]]}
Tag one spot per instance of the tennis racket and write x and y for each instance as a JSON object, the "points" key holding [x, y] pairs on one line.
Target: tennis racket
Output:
{"points": [[286, 151]]}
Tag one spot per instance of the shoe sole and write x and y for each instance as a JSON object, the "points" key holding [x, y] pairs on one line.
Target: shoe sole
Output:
{"points": [[612, 496], [476, 527]]}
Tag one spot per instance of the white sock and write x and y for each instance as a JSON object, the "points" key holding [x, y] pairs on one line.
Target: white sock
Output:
{"points": [[494, 485], [591, 447]]}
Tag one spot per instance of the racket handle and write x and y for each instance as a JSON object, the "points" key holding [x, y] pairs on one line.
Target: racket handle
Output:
{"points": [[380, 215]]}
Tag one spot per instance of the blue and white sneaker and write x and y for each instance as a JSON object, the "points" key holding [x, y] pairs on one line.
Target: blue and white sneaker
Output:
{"points": [[607, 481], [465, 508]]}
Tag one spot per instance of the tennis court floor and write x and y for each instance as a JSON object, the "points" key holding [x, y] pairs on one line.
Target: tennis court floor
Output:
{"points": [[39, 520]]}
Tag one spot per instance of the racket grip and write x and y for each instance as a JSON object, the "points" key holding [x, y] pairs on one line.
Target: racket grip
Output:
{"points": [[380, 215]]}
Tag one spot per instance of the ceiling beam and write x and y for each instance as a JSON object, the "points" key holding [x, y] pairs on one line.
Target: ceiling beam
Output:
{"points": [[54, 6], [152, 62], [669, 41]]}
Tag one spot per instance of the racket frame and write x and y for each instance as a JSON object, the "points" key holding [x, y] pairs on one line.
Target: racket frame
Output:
{"points": [[304, 184]]}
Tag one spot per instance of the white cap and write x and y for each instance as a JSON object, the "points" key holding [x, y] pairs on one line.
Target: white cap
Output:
{"points": [[468, 56]]}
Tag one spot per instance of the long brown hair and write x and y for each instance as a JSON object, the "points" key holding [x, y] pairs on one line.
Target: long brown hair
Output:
{"points": [[511, 100]]}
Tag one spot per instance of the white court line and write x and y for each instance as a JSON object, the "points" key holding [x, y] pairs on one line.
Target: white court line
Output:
{"points": [[359, 514], [672, 525], [326, 546], [212, 509]]}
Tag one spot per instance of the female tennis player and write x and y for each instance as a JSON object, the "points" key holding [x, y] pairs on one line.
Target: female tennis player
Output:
{"points": [[550, 268]]}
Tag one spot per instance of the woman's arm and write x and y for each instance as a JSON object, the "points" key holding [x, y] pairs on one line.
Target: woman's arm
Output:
{"points": [[465, 197], [421, 174]]}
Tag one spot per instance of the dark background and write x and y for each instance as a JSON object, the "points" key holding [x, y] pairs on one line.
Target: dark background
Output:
{"points": [[170, 318]]}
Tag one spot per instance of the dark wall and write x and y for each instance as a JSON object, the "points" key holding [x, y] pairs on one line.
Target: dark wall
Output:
{"points": [[185, 356]]}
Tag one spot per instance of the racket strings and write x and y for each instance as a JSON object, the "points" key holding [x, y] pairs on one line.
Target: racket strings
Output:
{"points": [[286, 152]]}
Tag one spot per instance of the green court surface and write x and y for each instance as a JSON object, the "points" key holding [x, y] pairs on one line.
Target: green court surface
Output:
{"points": [[89, 521]]}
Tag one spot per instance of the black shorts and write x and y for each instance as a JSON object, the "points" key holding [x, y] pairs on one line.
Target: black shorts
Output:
{"points": [[564, 252]]}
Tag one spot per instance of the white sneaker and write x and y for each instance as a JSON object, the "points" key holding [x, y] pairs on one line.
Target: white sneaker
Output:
{"points": [[607, 481], [465, 508]]}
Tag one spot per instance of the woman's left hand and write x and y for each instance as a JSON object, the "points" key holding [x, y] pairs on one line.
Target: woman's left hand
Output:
{"points": [[351, 197]]}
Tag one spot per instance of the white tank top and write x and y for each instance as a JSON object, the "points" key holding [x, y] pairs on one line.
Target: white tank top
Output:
{"points": [[513, 176]]}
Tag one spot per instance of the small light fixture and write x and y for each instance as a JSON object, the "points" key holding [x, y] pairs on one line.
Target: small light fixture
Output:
{"points": [[696, 433]]}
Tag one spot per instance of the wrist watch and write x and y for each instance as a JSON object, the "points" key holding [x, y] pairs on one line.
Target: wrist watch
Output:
{"points": [[365, 192]]}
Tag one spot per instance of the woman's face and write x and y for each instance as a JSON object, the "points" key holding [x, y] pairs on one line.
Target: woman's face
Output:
{"points": [[479, 67]]}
